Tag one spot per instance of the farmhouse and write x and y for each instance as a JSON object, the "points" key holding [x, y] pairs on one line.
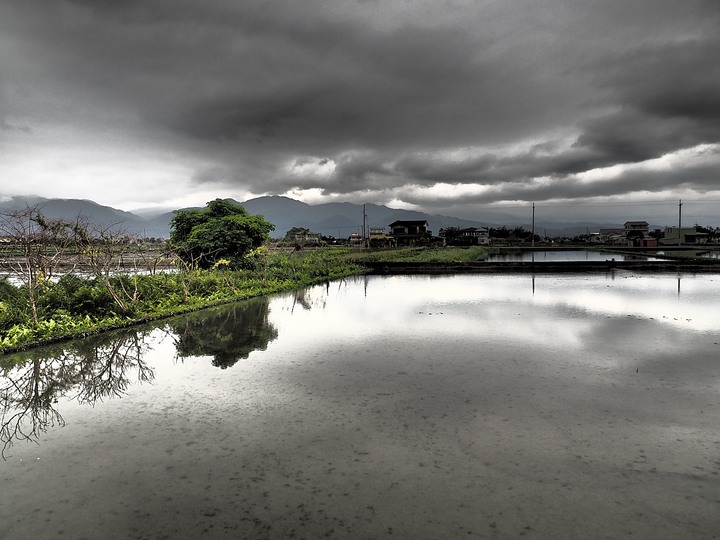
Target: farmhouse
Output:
{"points": [[683, 235], [638, 234], [408, 232], [476, 235]]}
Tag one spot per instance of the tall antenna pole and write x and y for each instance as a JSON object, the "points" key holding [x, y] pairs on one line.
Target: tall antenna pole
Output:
{"points": [[679, 220]]}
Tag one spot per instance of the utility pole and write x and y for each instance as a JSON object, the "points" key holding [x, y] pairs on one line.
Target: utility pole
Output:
{"points": [[533, 226], [679, 219], [364, 233]]}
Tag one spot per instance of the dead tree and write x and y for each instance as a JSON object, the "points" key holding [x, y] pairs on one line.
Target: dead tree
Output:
{"points": [[35, 247], [102, 250]]}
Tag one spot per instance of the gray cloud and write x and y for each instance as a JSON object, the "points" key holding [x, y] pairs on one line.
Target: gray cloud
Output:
{"points": [[394, 95]]}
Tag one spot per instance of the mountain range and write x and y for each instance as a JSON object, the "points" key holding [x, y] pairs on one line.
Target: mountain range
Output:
{"points": [[330, 219]]}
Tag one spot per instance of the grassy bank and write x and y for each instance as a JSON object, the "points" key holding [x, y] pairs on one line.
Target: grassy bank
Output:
{"points": [[77, 306], [424, 255]]}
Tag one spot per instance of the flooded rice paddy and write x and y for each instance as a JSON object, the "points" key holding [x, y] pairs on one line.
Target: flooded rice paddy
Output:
{"points": [[565, 256], [573, 406]]}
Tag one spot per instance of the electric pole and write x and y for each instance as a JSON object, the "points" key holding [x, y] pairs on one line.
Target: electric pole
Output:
{"points": [[679, 220], [533, 226], [366, 240]]}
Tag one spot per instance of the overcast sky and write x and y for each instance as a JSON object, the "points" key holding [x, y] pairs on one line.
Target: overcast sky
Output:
{"points": [[444, 106]]}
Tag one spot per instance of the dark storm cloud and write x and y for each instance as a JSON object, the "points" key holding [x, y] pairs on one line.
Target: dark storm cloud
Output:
{"points": [[391, 94], [667, 99], [362, 89], [678, 79], [700, 178]]}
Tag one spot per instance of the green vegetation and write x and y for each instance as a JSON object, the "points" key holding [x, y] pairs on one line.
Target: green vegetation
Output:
{"points": [[77, 306], [221, 233], [73, 279], [428, 255]]}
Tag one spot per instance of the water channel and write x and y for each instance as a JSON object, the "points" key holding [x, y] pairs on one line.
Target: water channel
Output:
{"points": [[465, 406]]}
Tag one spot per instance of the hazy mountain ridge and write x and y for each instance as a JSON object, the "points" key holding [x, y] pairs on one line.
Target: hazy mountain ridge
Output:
{"points": [[96, 214], [332, 219]]}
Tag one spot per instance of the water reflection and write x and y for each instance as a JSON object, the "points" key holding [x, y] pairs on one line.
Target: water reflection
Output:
{"points": [[91, 369], [566, 256], [227, 333], [547, 310], [88, 370], [464, 398]]}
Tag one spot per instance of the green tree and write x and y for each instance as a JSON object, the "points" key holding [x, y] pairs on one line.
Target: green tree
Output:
{"points": [[292, 233], [223, 230], [450, 234]]}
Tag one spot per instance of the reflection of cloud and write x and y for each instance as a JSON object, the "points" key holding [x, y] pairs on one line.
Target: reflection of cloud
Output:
{"points": [[656, 297], [562, 310]]}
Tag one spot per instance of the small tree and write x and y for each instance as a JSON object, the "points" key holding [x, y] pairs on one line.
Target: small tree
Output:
{"points": [[223, 230], [451, 234], [102, 248], [35, 247]]}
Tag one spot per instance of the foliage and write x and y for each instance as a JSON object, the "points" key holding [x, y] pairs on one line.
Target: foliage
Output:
{"points": [[40, 244], [712, 232], [450, 233], [78, 305], [13, 305], [226, 334], [290, 235], [223, 230], [518, 234]]}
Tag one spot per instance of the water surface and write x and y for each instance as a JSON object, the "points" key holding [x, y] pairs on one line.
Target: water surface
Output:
{"points": [[565, 256], [413, 407]]}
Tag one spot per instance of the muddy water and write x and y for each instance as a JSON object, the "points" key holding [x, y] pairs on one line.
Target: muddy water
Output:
{"points": [[383, 407]]}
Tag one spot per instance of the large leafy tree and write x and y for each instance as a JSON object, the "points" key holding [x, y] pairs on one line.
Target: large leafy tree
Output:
{"points": [[222, 230]]}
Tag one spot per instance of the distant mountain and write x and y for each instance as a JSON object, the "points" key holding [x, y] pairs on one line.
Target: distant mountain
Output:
{"points": [[342, 219], [331, 219], [105, 216]]}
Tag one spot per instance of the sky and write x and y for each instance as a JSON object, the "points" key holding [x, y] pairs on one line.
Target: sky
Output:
{"points": [[583, 107]]}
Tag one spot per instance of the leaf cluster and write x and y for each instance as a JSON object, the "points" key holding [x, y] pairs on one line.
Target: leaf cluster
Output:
{"points": [[221, 231]]}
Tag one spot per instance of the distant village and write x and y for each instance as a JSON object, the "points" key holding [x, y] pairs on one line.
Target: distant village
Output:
{"points": [[416, 233], [401, 233]]}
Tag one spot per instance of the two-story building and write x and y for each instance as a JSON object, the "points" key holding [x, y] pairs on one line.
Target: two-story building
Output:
{"points": [[636, 226], [637, 234], [409, 232]]}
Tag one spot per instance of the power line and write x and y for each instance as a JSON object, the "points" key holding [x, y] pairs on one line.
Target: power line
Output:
{"points": [[605, 203]]}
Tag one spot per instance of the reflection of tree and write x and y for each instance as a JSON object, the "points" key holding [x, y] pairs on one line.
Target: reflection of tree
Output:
{"points": [[300, 298], [91, 369], [304, 297], [228, 333]]}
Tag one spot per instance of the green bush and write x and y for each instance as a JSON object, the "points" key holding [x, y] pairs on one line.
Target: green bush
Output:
{"points": [[77, 305], [13, 305]]}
